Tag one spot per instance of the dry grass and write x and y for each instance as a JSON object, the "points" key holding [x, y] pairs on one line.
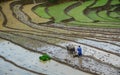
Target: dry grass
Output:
{"points": [[35, 18], [1, 20], [11, 21]]}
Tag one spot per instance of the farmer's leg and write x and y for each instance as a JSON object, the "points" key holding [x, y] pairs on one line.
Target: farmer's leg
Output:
{"points": [[80, 54]]}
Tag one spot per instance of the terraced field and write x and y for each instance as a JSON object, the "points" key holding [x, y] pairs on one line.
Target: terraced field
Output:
{"points": [[30, 30]]}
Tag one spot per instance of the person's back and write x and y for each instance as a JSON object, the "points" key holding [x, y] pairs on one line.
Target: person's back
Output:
{"points": [[79, 51]]}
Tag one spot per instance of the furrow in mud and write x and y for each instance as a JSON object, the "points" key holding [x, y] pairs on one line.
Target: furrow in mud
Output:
{"points": [[71, 63], [33, 49], [52, 43], [10, 68], [20, 66], [106, 41], [50, 68], [53, 40]]}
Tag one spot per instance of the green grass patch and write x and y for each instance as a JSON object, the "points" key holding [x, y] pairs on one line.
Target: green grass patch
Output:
{"points": [[75, 23], [114, 2], [45, 57], [58, 13], [118, 13], [112, 8], [93, 15], [40, 11], [114, 14], [99, 3], [78, 13], [104, 15]]}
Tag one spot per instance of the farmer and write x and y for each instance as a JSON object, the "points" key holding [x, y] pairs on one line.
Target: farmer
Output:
{"points": [[79, 51]]}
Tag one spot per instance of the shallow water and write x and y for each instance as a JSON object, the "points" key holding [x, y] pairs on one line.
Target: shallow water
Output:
{"points": [[30, 60]]}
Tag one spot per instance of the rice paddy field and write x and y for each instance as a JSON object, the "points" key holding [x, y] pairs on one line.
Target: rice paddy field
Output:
{"points": [[29, 30]]}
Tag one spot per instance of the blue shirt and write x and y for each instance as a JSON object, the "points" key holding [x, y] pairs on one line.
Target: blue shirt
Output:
{"points": [[79, 50]]}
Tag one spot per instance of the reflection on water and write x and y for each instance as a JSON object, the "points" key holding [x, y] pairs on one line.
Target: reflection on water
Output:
{"points": [[80, 60]]}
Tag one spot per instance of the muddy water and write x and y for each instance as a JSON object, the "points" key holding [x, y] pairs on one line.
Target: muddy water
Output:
{"points": [[9, 69], [91, 64], [30, 60], [1, 40]]}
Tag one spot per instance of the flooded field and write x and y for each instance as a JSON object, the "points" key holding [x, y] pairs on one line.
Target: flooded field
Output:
{"points": [[24, 36], [29, 61]]}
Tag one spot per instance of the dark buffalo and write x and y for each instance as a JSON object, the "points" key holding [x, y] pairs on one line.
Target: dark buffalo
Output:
{"points": [[71, 49]]}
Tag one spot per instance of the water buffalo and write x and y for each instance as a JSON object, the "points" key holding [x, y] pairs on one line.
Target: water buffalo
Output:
{"points": [[71, 49]]}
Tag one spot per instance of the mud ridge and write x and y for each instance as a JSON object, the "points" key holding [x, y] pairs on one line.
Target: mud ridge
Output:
{"points": [[13, 63]]}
